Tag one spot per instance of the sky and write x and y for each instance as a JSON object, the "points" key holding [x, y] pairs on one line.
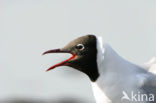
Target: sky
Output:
{"points": [[30, 27]]}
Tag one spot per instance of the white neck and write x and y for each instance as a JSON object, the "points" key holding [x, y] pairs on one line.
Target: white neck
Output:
{"points": [[114, 72]]}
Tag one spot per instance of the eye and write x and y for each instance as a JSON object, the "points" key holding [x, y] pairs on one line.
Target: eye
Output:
{"points": [[80, 46]]}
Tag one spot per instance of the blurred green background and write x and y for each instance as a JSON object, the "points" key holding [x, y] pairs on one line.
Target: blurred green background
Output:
{"points": [[30, 27]]}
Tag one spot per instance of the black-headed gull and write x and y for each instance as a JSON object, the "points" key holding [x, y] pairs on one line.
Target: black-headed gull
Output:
{"points": [[113, 79]]}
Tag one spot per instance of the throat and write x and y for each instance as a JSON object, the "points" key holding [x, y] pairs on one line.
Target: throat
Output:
{"points": [[92, 71], [99, 94]]}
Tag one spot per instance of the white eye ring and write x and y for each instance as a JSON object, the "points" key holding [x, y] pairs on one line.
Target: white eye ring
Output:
{"points": [[80, 46]]}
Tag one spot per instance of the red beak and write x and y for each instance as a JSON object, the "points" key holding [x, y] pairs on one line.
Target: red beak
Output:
{"points": [[63, 63]]}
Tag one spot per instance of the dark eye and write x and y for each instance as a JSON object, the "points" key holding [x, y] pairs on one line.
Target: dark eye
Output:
{"points": [[80, 46]]}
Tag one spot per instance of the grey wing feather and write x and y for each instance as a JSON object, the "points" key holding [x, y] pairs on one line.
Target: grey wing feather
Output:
{"points": [[150, 84]]}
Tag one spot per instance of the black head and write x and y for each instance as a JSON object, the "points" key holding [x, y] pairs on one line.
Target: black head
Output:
{"points": [[84, 55]]}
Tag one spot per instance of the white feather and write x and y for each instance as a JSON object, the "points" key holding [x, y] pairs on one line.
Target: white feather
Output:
{"points": [[151, 65], [117, 75]]}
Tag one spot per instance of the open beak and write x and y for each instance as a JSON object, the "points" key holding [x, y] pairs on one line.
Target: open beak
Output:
{"points": [[63, 63]]}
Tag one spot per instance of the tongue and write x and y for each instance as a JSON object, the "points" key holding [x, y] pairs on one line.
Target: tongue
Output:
{"points": [[63, 63]]}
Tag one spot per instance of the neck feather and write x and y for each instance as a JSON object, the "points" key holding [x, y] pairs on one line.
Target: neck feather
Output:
{"points": [[109, 61]]}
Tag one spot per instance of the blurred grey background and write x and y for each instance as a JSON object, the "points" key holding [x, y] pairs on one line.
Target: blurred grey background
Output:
{"points": [[30, 27]]}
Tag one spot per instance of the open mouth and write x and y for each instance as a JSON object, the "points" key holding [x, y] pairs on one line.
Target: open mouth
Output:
{"points": [[63, 63]]}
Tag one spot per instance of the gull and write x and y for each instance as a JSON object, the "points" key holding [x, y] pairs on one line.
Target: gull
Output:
{"points": [[113, 78]]}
